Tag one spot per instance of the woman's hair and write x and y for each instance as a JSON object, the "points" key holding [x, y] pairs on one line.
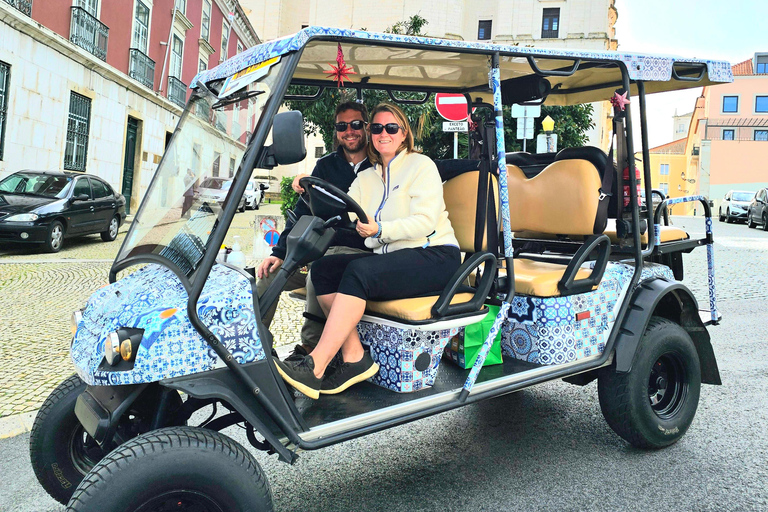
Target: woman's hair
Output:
{"points": [[402, 120]]}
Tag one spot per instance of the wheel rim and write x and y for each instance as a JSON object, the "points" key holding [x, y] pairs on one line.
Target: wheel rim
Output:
{"points": [[667, 386], [113, 228], [56, 235], [187, 501], [84, 451]]}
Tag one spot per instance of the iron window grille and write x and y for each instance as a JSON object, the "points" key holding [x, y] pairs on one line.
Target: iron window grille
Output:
{"points": [[88, 33], [78, 124], [25, 6], [177, 91], [141, 68], [484, 30], [550, 23], [5, 77]]}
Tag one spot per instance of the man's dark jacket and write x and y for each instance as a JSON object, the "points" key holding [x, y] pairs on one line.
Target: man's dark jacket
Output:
{"points": [[335, 169]]}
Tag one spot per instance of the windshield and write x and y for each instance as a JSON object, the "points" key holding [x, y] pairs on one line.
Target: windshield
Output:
{"points": [[175, 220], [743, 196], [36, 184]]}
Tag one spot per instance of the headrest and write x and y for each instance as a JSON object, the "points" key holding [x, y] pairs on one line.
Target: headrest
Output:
{"points": [[451, 168], [594, 155], [531, 165]]}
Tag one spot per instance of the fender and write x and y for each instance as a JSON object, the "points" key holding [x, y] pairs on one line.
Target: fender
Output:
{"points": [[671, 300]]}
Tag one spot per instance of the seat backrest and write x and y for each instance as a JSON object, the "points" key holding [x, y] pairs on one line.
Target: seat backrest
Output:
{"points": [[531, 165], [464, 205], [562, 199]]}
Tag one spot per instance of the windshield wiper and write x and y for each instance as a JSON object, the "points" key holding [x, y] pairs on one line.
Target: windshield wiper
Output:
{"points": [[237, 98]]}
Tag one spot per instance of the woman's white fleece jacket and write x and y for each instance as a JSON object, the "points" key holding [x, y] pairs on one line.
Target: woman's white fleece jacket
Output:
{"points": [[409, 205]]}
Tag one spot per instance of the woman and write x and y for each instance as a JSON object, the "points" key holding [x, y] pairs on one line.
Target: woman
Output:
{"points": [[415, 252]]}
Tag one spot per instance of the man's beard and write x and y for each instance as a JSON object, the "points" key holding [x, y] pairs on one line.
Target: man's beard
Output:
{"points": [[356, 147]]}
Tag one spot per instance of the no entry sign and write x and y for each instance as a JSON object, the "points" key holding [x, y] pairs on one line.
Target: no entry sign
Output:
{"points": [[452, 107]]}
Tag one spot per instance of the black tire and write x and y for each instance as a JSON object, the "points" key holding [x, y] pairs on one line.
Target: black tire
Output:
{"points": [[111, 233], [728, 218], [765, 221], [55, 237], [750, 224], [182, 466], [721, 217], [653, 404], [61, 451]]}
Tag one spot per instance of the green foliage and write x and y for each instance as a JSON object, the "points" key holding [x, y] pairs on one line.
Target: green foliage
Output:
{"points": [[412, 27], [287, 195]]}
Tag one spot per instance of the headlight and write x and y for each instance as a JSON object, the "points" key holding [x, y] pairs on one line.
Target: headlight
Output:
{"points": [[23, 217], [112, 349], [77, 317], [122, 345]]}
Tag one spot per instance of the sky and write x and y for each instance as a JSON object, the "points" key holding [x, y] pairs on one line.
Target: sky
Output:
{"points": [[711, 29]]}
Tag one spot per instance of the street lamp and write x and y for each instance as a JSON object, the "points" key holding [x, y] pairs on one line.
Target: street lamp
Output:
{"points": [[548, 125]]}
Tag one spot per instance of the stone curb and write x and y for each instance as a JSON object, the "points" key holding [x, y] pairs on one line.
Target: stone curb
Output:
{"points": [[12, 426]]}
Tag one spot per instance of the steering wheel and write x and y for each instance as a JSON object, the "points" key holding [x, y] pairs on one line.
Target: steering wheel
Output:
{"points": [[326, 200]]}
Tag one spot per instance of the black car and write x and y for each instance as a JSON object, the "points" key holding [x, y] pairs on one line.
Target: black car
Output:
{"points": [[758, 210], [43, 207]]}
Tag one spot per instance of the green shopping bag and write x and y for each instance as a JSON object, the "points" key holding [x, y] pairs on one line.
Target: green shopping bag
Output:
{"points": [[463, 348]]}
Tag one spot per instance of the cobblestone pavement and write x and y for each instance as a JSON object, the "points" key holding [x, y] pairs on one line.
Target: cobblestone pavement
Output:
{"points": [[38, 292]]}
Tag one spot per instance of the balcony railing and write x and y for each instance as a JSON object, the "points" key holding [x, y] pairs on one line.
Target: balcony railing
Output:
{"points": [[177, 91], [88, 33], [141, 67], [24, 6]]}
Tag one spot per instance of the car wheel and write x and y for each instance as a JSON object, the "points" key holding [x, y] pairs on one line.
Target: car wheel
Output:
{"points": [[728, 218], [176, 468], [721, 217], [750, 223], [111, 233], [55, 238], [653, 404], [765, 221]]}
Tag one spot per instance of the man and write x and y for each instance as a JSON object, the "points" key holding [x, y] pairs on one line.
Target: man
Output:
{"points": [[339, 168]]}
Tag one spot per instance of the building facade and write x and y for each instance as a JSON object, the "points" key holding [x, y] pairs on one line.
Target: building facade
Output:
{"points": [[98, 86]]}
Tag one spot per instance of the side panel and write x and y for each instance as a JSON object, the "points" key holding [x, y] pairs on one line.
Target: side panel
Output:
{"points": [[675, 302]]}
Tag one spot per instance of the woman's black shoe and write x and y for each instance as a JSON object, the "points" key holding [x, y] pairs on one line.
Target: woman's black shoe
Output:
{"points": [[348, 374], [301, 375]]}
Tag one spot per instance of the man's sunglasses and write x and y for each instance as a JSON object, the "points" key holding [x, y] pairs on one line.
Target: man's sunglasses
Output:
{"points": [[356, 125], [376, 128]]}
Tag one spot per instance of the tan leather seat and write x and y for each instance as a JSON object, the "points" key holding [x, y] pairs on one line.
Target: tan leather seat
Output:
{"points": [[667, 234], [413, 309], [539, 278]]}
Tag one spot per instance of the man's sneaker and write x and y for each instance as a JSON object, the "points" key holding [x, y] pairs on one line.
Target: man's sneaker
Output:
{"points": [[348, 374], [301, 375], [298, 354]]}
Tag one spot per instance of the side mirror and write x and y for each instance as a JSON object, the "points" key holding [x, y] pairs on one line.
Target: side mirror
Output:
{"points": [[287, 141], [80, 197], [263, 186]]}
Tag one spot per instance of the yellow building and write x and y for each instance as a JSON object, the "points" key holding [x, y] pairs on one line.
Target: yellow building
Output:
{"points": [[668, 166]]}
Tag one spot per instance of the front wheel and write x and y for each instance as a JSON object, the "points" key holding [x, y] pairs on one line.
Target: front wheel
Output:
{"points": [[55, 237], [175, 468], [750, 223], [111, 233], [721, 217], [61, 450], [653, 404], [765, 222]]}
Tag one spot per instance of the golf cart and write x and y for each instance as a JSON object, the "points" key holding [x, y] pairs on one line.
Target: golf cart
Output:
{"points": [[586, 281]]}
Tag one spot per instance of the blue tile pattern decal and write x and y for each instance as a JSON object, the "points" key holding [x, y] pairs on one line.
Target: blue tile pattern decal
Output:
{"points": [[546, 331], [640, 67], [396, 351], [171, 347]]}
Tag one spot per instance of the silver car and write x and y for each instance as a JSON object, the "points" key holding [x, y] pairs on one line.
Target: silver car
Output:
{"points": [[735, 205], [217, 189], [254, 194]]}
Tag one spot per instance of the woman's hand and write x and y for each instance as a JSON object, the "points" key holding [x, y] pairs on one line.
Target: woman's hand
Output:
{"points": [[269, 265], [367, 230], [295, 185]]}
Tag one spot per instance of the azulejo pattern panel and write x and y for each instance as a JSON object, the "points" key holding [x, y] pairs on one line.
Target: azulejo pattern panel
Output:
{"points": [[557, 330], [153, 299], [407, 358]]}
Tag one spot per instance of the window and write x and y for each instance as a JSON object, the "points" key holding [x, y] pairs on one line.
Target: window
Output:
{"points": [[319, 150], [82, 187], [761, 105], [484, 30], [681, 128], [216, 164], [99, 189], [730, 104], [141, 27], [550, 23], [201, 66], [729, 134], [205, 24], [177, 53], [231, 167], [224, 40], [664, 187], [664, 171], [761, 135], [761, 66], [181, 5], [92, 6], [5, 76], [76, 149], [239, 47]]}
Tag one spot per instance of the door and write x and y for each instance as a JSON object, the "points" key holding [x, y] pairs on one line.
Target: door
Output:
{"points": [[130, 161], [104, 204], [81, 212]]}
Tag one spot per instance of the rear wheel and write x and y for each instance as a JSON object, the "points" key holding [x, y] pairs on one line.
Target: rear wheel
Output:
{"points": [[55, 237], [111, 233], [175, 468], [653, 404]]}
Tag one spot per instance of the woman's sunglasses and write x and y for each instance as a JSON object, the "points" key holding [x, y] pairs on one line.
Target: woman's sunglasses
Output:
{"points": [[376, 128], [356, 125]]}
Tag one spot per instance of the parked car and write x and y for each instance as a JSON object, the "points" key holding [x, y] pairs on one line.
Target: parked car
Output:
{"points": [[254, 194], [44, 207], [217, 189], [757, 212], [735, 204]]}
